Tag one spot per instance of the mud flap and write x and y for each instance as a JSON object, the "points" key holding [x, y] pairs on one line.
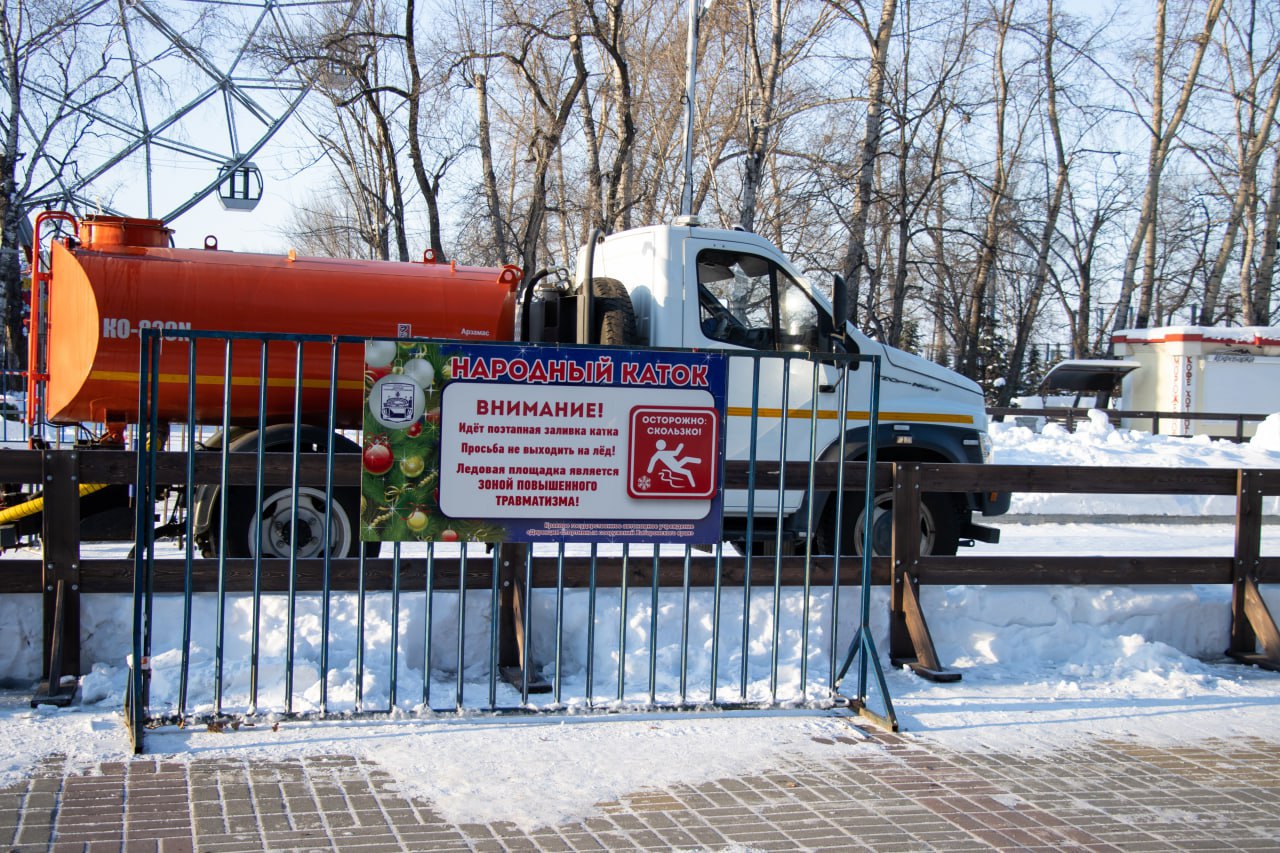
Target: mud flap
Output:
{"points": [[980, 533]]}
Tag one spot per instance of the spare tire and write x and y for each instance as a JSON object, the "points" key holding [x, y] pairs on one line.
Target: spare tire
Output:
{"points": [[614, 320]]}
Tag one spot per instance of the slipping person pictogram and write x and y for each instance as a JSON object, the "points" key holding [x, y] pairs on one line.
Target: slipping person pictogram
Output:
{"points": [[673, 463]]}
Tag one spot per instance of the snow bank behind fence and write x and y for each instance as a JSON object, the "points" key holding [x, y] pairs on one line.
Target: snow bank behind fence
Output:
{"points": [[1099, 444]]}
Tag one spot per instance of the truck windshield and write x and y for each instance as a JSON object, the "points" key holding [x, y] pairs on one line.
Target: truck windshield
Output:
{"points": [[747, 301]]}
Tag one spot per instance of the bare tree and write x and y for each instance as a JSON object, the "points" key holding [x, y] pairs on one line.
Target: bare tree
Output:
{"points": [[856, 252], [1090, 217], [489, 179], [1042, 243], [362, 72], [1258, 306], [1255, 118], [418, 94], [1162, 136], [921, 108], [977, 308], [950, 166], [330, 224], [376, 93], [613, 189], [764, 71], [360, 195], [543, 61], [54, 72]]}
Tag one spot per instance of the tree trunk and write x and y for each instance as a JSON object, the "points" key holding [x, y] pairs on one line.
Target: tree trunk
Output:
{"points": [[855, 258], [762, 87], [977, 307], [11, 210], [543, 149], [1035, 290], [1162, 137], [1081, 344], [898, 292], [392, 174], [489, 180], [620, 197], [426, 186], [15, 339], [593, 208], [1256, 133], [1258, 304]]}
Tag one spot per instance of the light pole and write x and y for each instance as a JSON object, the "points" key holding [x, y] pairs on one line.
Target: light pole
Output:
{"points": [[697, 8]]}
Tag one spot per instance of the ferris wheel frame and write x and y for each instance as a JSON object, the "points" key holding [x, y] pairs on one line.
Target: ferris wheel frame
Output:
{"points": [[230, 75]]}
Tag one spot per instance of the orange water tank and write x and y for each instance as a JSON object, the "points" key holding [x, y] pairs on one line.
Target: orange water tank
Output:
{"points": [[122, 278]]}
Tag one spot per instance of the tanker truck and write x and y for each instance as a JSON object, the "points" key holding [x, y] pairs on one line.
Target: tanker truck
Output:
{"points": [[681, 285]]}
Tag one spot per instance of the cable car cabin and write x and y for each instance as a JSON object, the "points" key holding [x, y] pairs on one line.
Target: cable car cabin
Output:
{"points": [[240, 187]]}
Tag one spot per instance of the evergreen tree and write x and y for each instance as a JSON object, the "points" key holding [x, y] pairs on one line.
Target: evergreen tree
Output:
{"points": [[992, 354], [1029, 379]]}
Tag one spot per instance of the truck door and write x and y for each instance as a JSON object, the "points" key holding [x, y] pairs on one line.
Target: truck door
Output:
{"points": [[748, 302]]}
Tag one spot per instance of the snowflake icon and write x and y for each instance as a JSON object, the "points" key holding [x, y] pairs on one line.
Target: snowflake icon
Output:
{"points": [[643, 483]]}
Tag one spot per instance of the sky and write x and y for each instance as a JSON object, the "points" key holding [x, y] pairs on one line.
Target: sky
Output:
{"points": [[1045, 669]]}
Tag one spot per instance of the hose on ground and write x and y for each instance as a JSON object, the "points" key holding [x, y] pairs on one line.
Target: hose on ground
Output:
{"points": [[36, 504]]}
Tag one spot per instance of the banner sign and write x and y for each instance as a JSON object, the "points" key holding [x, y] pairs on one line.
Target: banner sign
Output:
{"points": [[532, 444]]}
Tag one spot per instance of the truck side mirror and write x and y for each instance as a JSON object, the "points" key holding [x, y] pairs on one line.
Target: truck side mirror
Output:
{"points": [[839, 311]]}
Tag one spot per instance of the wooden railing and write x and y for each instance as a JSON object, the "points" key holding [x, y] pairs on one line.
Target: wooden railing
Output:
{"points": [[1069, 416], [63, 574]]}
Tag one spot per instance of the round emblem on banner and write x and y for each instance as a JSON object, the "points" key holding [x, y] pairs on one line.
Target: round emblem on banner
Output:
{"points": [[379, 353], [396, 401], [421, 371]]}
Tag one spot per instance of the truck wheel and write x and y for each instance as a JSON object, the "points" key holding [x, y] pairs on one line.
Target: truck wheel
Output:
{"points": [[615, 316], [939, 526], [277, 533]]}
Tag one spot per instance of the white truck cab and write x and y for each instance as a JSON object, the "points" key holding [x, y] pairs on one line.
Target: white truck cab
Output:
{"points": [[693, 287]]}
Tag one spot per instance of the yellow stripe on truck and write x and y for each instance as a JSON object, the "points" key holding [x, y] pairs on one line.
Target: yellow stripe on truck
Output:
{"points": [[832, 414]]}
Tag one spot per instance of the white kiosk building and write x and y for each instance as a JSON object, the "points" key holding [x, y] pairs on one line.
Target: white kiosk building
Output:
{"points": [[1199, 369]]}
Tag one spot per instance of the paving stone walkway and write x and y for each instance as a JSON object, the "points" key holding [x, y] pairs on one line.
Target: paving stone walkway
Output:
{"points": [[902, 796]]}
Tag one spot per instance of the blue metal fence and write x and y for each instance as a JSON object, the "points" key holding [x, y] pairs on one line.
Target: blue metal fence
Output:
{"points": [[449, 627]]}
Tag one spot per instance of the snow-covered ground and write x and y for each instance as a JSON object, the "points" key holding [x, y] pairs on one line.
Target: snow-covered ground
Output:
{"points": [[1044, 668]]}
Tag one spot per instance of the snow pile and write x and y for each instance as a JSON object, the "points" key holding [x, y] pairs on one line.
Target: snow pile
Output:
{"points": [[1131, 689], [21, 624], [1133, 660], [1098, 443], [646, 643], [1024, 630], [1010, 632], [1267, 436]]}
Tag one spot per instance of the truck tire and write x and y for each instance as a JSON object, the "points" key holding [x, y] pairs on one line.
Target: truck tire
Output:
{"points": [[615, 316], [278, 530], [276, 511], [940, 523]]}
